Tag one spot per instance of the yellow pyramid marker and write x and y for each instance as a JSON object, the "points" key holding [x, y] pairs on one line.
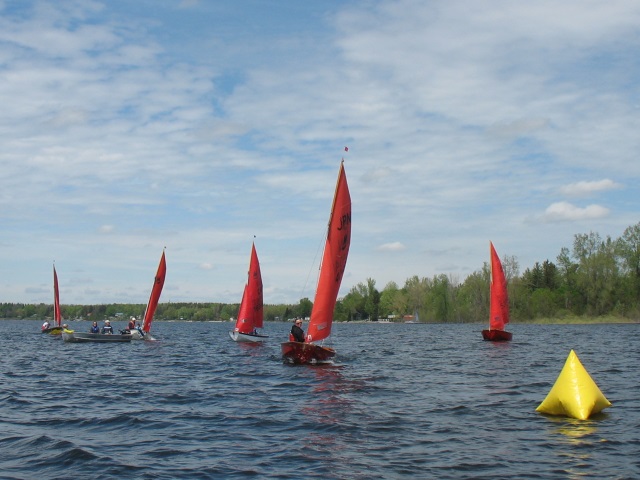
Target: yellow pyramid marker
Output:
{"points": [[574, 394]]}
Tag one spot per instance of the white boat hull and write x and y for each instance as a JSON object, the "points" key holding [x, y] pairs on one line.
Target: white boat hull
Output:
{"points": [[246, 337], [136, 335]]}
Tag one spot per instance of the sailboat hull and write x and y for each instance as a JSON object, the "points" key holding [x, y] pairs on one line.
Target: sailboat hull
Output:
{"points": [[496, 335], [247, 337], [137, 335], [53, 331], [82, 337], [300, 353]]}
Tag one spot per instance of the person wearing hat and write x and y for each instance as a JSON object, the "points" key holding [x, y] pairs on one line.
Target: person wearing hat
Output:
{"points": [[107, 329]]}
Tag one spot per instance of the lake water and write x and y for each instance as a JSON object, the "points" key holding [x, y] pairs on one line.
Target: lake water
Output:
{"points": [[402, 401]]}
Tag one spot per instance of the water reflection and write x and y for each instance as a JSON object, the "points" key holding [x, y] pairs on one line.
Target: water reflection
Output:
{"points": [[325, 410], [573, 431], [329, 403], [577, 442], [252, 348]]}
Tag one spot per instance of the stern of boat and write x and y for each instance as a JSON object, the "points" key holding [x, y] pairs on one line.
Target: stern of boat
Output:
{"points": [[496, 335], [306, 353]]}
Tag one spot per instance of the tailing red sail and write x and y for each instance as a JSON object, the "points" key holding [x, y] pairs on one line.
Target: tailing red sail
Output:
{"points": [[499, 300], [158, 283], [334, 261], [250, 314], [57, 315]]}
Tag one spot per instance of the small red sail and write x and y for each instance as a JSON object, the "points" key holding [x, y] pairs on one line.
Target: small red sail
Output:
{"points": [[334, 261], [499, 301], [250, 314], [158, 283], [57, 315]]}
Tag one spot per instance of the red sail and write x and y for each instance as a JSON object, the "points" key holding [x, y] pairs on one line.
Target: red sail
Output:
{"points": [[250, 314], [499, 301], [158, 283], [334, 261], [57, 316]]}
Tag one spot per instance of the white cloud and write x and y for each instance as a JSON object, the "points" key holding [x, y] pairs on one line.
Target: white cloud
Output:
{"points": [[392, 247], [586, 188], [564, 211]]}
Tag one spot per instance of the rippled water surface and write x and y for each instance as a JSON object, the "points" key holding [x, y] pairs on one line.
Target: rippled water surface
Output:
{"points": [[402, 401]]}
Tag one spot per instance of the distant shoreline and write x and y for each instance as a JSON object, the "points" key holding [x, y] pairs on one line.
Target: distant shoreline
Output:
{"points": [[540, 321]]}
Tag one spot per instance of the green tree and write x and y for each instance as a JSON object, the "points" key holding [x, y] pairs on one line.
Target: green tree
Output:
{"points": [[416, 290], [628, 249], [597, 274], [474, 296], [304, 308], [393, 301], [371, 300], [354, 301]]}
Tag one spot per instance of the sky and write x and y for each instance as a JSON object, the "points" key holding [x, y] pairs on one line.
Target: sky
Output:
{"points": [[201, 127]]}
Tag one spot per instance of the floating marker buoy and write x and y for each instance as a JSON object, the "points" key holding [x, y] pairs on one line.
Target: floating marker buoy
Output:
{"points": [[574, 394]]}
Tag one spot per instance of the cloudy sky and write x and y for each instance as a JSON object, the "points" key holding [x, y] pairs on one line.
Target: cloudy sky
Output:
{"points": [[127, 127]]}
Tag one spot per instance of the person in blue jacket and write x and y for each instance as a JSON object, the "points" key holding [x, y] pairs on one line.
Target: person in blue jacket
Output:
{"points": [[94, 328]]}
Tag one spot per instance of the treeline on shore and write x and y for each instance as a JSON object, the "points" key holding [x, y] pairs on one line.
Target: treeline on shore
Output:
{"points": [[596, 277]]}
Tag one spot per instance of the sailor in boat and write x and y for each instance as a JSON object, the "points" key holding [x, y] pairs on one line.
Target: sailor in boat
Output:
{"points": [[65, 328], [107, 329], [139, 329], [132, 324], [45, 325], [94, 328], [297, 334]]}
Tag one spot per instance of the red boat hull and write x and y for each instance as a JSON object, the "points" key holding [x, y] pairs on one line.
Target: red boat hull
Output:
{"points": [[496, 335], [299, 353]]}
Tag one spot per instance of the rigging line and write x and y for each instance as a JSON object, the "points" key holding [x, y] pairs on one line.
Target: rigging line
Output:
{"points": [[323, 239]]}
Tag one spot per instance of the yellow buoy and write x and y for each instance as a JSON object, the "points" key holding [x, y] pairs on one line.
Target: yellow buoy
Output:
{"points": [[574, 394]]}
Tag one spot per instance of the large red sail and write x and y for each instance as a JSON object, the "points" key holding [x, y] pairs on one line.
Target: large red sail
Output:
{"points": [[334, 261], [499, 301], [158, 283], [57, 316], [250, 314]]}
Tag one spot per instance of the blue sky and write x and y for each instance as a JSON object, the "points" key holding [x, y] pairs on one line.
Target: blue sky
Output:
{"points": [[130, 126]]}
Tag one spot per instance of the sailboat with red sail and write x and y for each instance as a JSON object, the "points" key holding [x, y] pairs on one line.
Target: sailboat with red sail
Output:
{"points": [[158, 283], [251, 315], [56, 328], [334, 261], [499, 302]]}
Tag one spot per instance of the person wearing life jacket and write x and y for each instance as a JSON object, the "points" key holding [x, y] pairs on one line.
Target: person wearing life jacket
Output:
{"points": [[45, 325], [297, 334], [107, 329], [132, 324], [94, 328], [139, 329]]}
